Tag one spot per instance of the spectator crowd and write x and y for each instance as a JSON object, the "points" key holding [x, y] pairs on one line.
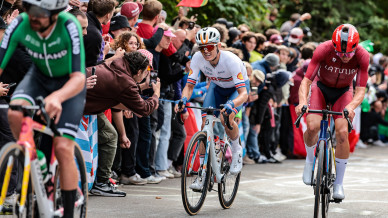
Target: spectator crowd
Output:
{"points": [[137, 66]]}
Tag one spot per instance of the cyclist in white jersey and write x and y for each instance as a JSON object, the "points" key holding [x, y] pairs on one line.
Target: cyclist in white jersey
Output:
{"points": [[229, 82]]}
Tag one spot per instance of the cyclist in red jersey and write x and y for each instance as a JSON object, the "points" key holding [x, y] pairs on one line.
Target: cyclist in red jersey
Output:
{"points": [[330, 74]]}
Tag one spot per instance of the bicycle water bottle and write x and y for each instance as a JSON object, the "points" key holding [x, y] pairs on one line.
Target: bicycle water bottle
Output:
{"points": [[42, 163]]}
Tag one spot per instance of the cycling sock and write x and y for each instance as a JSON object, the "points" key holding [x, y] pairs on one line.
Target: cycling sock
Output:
{"points": [[310, 153], [340, 170], [68, 199], [236, 144]]}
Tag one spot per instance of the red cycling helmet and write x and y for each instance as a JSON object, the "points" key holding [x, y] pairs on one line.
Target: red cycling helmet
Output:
{"points": [[345, 38]]}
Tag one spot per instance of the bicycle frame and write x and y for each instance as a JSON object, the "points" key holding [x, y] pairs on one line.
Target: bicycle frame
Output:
{"points": [[31, 166]]}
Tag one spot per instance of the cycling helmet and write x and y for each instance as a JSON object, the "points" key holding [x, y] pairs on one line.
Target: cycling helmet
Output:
{"points": [[345, 38], [207, 35], [52, 6]]}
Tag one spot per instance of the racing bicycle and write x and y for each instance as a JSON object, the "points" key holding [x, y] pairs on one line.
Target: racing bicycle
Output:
{"points": [[215, 166], [37, 194], [323, 172]]}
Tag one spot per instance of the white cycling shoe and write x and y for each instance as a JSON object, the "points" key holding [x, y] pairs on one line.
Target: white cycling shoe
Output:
{"points": [[307, 172], [338, 191], [197, 185], [237, 163]]}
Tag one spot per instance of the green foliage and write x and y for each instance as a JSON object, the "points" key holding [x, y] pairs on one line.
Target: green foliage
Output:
{"points": [[240, 11], [366, 15]]}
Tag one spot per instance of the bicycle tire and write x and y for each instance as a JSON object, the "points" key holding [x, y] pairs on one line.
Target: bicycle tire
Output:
{"points": [[226, 203], [191, 207], [329, 179], [318, 179], [17, 151], [80, 211]]}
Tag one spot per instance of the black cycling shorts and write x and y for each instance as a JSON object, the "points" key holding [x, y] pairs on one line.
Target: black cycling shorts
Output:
{"points": [[36, 84]]}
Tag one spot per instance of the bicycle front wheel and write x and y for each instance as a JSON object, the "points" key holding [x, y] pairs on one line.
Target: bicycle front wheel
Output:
{"points": [[192, 169], [227, 189], [11, 179], [80, 207], [328, 181], [319, 178]]}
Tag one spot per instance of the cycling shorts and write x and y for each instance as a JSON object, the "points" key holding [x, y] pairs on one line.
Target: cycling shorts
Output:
{"points": [[337, 98], [36, 84], [216, 95]]}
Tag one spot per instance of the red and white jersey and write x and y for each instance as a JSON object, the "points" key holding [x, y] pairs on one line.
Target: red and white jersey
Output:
{"points": [[332, 72], [229, 72]]}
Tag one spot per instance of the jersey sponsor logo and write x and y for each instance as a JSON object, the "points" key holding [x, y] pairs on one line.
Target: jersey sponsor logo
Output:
{"points": [[334, 59], [8, 33], [191, 72], [221, 72], [32, 40], [240, 76], [41, 56], [72, 28], [340, 70], [56, 42]]}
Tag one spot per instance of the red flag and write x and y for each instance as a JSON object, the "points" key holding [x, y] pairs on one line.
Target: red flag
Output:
{"points": [[192, 3], [299, 148]]}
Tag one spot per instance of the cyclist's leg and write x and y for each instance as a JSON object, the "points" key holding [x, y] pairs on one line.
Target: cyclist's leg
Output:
{"points": [[72, 111], [342, 146]]}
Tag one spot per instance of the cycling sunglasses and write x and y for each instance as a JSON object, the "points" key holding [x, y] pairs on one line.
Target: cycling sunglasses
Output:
{"points": [[207, 48], [346, 55], [35, 11]]}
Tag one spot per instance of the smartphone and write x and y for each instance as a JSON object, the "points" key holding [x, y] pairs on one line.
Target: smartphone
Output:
{"points": [[93, 71], [11, 85], [153, 77]]}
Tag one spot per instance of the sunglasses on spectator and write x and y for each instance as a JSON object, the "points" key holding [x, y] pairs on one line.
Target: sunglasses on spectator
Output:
{"points": [[207, 48], [295, 36], [346, 55], [134, 43]]}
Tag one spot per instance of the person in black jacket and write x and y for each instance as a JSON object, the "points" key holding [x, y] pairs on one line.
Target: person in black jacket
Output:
{"points": [[369, 124], [99, 12]]}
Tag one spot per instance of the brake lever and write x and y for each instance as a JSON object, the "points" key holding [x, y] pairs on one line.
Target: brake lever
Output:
{"points": [[226, 118], [350, 125]]}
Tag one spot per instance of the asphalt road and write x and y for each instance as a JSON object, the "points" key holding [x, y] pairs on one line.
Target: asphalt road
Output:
{"points": [[266, 190]]}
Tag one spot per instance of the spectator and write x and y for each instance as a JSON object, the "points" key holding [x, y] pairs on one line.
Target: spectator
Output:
{"points": [[118, 25], [295, 39], [257, 54], [223, 32], [131, 11], [288, 25], [284, 56], [246, 45], [369, 124], [162, 16], [243, 29], [276, 39], [233, 34], [83, 20]]}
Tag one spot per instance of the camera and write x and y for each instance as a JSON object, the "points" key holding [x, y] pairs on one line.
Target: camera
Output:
{"points": [[191, 25]]}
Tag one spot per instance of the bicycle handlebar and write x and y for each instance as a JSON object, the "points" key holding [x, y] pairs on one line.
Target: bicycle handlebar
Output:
{"points": [[345, 113]]}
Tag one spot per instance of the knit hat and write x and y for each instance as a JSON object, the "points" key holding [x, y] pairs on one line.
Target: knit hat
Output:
{"points": [[258, 74], [272, 59], [131, 9], [148, 54]]}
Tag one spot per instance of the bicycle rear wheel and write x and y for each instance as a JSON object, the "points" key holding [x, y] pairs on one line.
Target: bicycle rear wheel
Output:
{"points": [[80, 208], [319, 178], [227, 190], [193, 200], [13, 154]]}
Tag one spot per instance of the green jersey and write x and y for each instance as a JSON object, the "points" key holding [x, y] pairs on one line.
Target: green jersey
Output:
{"points": [[60, 53]]}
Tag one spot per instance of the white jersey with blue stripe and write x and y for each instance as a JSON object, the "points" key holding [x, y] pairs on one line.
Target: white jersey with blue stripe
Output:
{"points": [[229, 72]]}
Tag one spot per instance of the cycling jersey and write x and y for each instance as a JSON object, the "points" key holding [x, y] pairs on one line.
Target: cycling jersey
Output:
{"points": [[332, 72], [229, 72], [59, 54]]}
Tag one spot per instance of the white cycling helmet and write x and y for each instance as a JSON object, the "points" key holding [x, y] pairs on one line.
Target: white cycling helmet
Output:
{"points": [[53, 6], [207, 35]]}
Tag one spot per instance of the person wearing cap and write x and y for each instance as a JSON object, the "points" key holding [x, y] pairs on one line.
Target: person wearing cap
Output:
{"points": [[276, 39], [295, 38], [118, 24], [131, 11]]}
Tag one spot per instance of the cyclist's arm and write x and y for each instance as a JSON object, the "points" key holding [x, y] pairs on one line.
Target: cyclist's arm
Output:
{"points": [[188, 90], [241, 98], [304, 91], [358, 98]]}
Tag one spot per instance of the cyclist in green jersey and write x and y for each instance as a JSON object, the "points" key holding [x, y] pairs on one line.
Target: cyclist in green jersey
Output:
{"points": [[54, 41]]}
